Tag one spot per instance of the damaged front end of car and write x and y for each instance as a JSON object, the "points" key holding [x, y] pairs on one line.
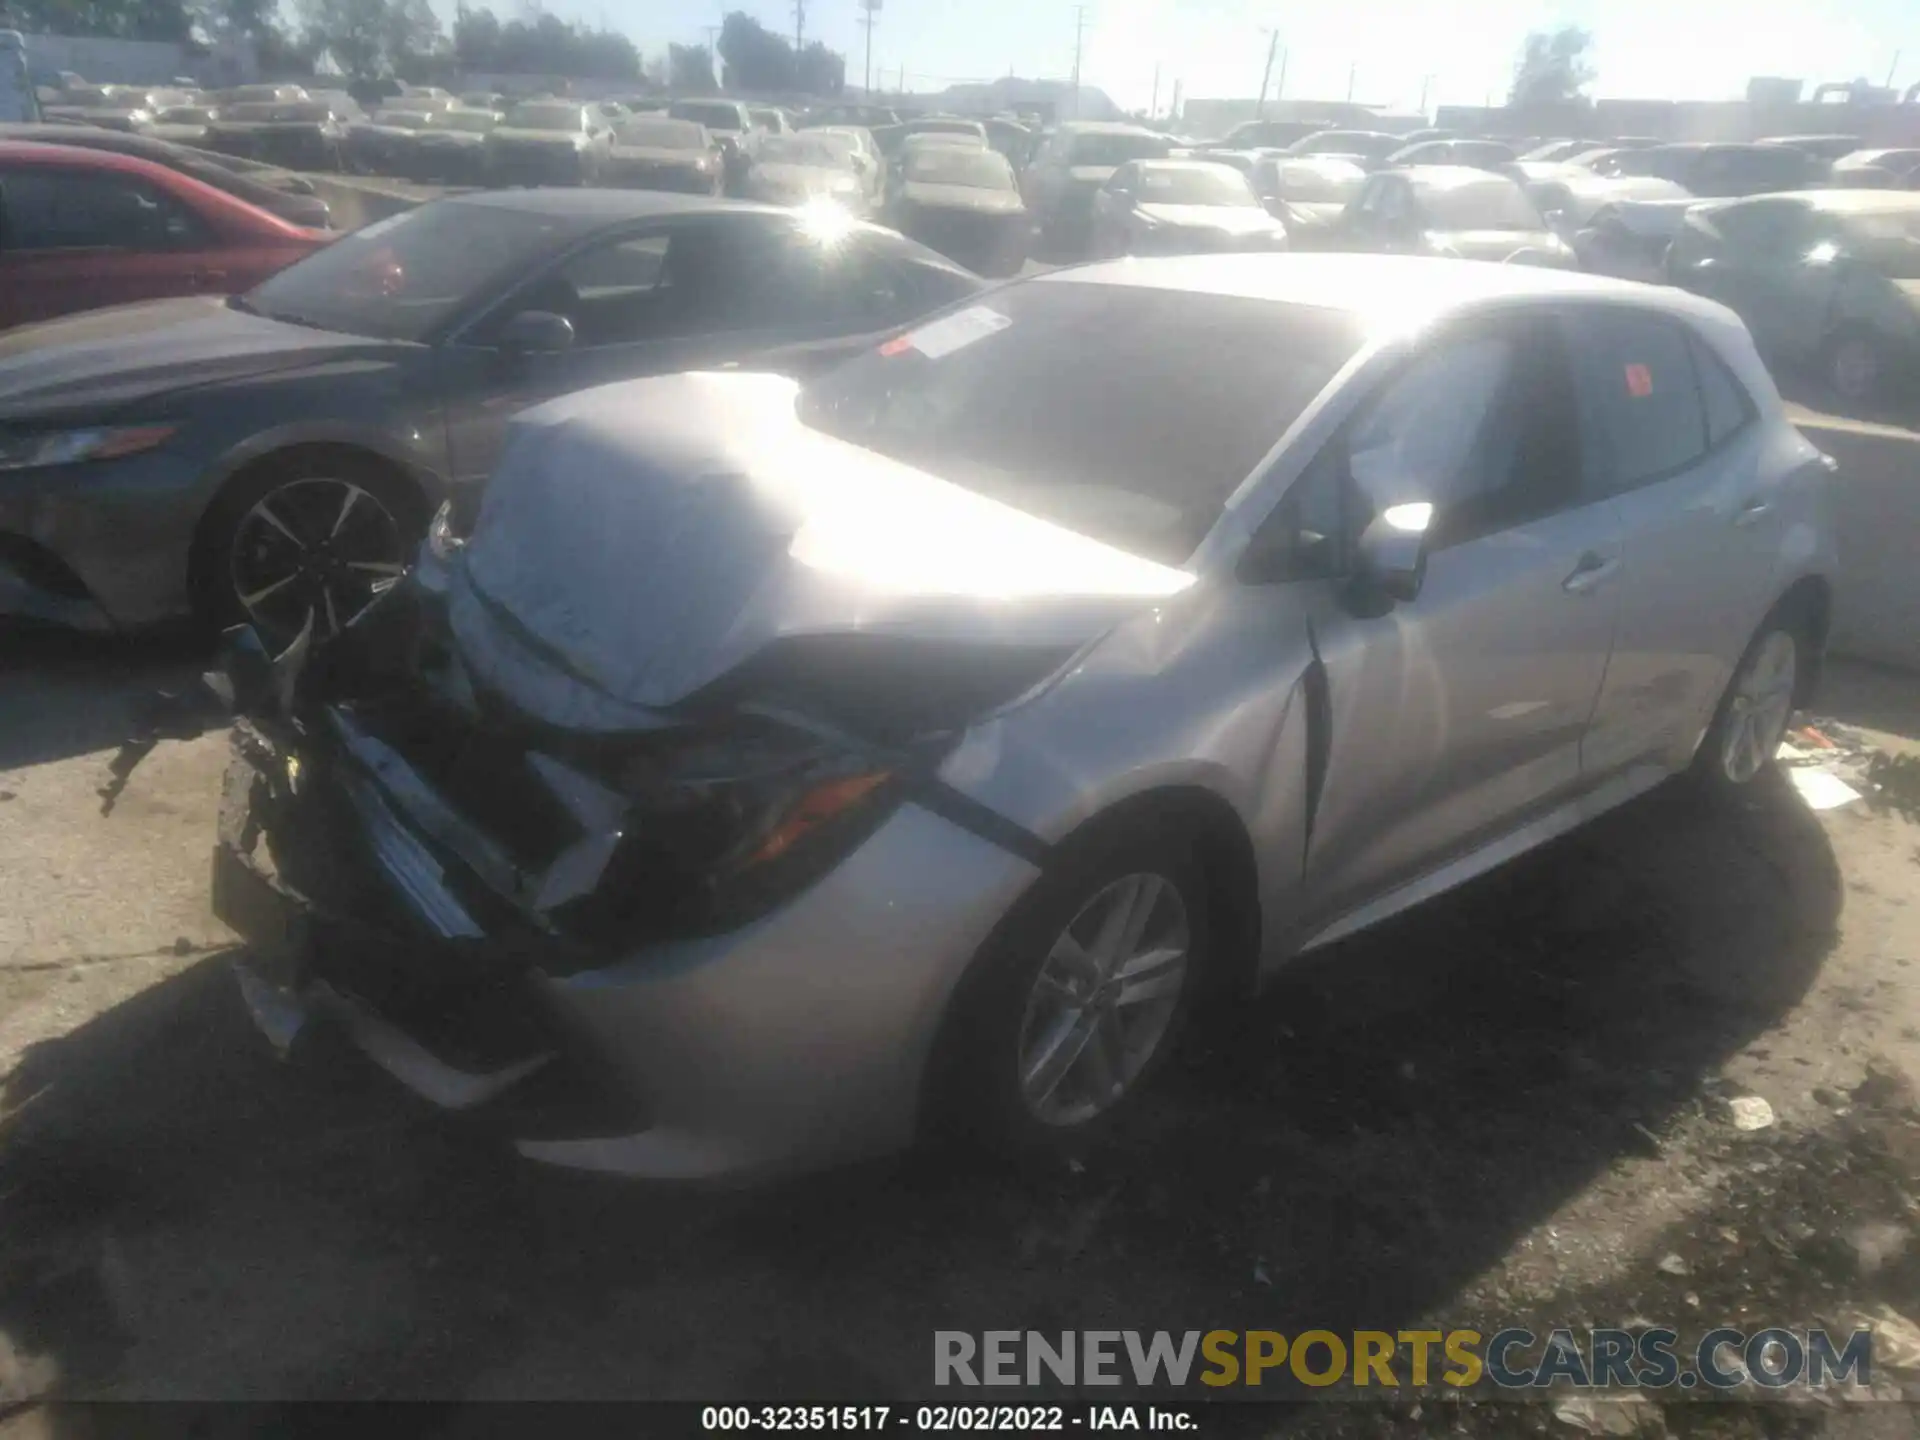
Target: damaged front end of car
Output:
{"points": [[414, 856]]}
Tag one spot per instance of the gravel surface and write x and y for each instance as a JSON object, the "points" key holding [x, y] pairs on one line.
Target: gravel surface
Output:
{"points": [[1512, 1106]]}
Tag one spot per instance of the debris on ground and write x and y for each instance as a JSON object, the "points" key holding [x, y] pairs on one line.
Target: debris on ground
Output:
{"points": [[1750, 1112], [1673, 1264], [1615, 1415]]}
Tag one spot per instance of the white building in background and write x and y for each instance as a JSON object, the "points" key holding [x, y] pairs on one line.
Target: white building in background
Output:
{"points": [[141, 62]]}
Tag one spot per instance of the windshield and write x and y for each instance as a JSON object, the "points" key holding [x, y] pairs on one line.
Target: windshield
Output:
{"points": [[469, 122], [767, 119], [1194, 185], [1124, 412], [186, 115], [946, 127], [1887, 241], [1116, 150], [799, 150], [949, 165], [399, 278], [1348, 142], [402, 119], [844, 145], [658, 134], [1309, 184], [565, 118], [1490, 204], [713, 116]]}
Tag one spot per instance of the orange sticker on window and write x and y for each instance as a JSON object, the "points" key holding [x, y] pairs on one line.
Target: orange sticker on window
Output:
{"points": [[899, 345], [1639, 381]]}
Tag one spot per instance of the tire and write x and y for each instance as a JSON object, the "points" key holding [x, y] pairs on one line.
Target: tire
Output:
{"points": [[344, 525], [1854, 366], [1012, 1019], [1738, 751]]}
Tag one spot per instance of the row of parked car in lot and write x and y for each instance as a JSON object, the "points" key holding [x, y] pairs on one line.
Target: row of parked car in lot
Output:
{"points": [[725, 687]]}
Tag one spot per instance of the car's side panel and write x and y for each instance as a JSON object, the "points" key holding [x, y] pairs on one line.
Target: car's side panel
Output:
{"points": [[1205, 690]]}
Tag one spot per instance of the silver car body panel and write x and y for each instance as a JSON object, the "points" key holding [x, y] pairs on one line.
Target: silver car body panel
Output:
{"points": [[1546, 672]]}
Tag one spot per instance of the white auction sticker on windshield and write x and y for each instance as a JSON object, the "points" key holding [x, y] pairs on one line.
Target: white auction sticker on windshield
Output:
{"points": [[957, 331]]}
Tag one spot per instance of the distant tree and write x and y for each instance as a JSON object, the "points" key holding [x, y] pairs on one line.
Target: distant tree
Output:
{"points": [[476, 37], [756, 58], [820, 71], [690, 70], [1553, 67], [169, 20], [354, 32]]}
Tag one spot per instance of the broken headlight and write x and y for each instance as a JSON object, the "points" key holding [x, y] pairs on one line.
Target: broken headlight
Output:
{"points": [[724, 827]]}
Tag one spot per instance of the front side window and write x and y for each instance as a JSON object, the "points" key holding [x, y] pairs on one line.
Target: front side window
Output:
{"points": [[1643, 403], [47, 209], [1725, 399]]}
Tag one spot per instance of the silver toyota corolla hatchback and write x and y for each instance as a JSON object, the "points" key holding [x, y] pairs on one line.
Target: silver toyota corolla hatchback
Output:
{"points": [[778, 770]]}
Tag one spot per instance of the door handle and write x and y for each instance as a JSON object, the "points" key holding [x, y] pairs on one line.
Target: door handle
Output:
{"points": [[1752, 512], [1588, 575]]}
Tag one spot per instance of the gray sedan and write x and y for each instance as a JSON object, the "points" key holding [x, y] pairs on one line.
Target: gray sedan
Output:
{"points": [[281, 453], [781, 770]]}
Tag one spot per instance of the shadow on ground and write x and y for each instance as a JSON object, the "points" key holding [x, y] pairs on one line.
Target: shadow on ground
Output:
{"points": [[182, 1217], [69, 694]]}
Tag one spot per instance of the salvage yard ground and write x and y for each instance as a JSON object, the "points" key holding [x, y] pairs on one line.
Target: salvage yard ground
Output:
{"points": [[1510, 1106]]}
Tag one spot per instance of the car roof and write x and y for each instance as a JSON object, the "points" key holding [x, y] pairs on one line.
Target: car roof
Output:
{"points": [[44, 152], [1372, 284], [590, 209], [1105, 127], [1838, 202]]}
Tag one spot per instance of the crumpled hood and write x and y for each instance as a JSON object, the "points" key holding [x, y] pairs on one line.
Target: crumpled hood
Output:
{"points": [[1233, 219], [648, 537], [1494, 244], [962, 197], [100, 360]]}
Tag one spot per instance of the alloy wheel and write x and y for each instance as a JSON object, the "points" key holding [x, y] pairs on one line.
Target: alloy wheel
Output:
{"points": [[1104, 999], [1758, 709], [320, 548]]}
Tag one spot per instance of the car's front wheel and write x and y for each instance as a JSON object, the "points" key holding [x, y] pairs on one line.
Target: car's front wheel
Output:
{"points": [[323, 538], [1080, 996], [1741, 745]]}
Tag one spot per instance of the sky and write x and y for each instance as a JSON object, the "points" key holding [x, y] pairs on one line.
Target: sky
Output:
{"points": [[1391, 49]]}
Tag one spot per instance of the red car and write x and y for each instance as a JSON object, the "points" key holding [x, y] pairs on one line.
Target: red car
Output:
{"points": [[85, 228]]}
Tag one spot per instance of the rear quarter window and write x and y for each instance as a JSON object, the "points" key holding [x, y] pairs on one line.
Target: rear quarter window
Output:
{"points": [[1641, 403]]}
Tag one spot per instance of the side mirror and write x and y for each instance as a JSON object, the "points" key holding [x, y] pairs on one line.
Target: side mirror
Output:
{"points": [[1391, 559], [536, 332]]}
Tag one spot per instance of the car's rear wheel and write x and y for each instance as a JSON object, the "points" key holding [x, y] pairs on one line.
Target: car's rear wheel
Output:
{"points": [[1079, 997], [1740, 746], [322, 537]]}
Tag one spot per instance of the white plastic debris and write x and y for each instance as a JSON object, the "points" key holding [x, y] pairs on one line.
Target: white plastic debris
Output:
{"points": [[1821, 789], [1672, 1265], [1615, 1415], [1750, 1112]]}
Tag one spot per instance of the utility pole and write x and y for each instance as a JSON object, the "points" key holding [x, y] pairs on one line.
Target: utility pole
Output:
{"points": [[712, 32], [1153, 108], [1079, 36], [1353, 70], [1426, 83], [1260, 105], [1892, 69], [799, 26], [869, 14]]}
